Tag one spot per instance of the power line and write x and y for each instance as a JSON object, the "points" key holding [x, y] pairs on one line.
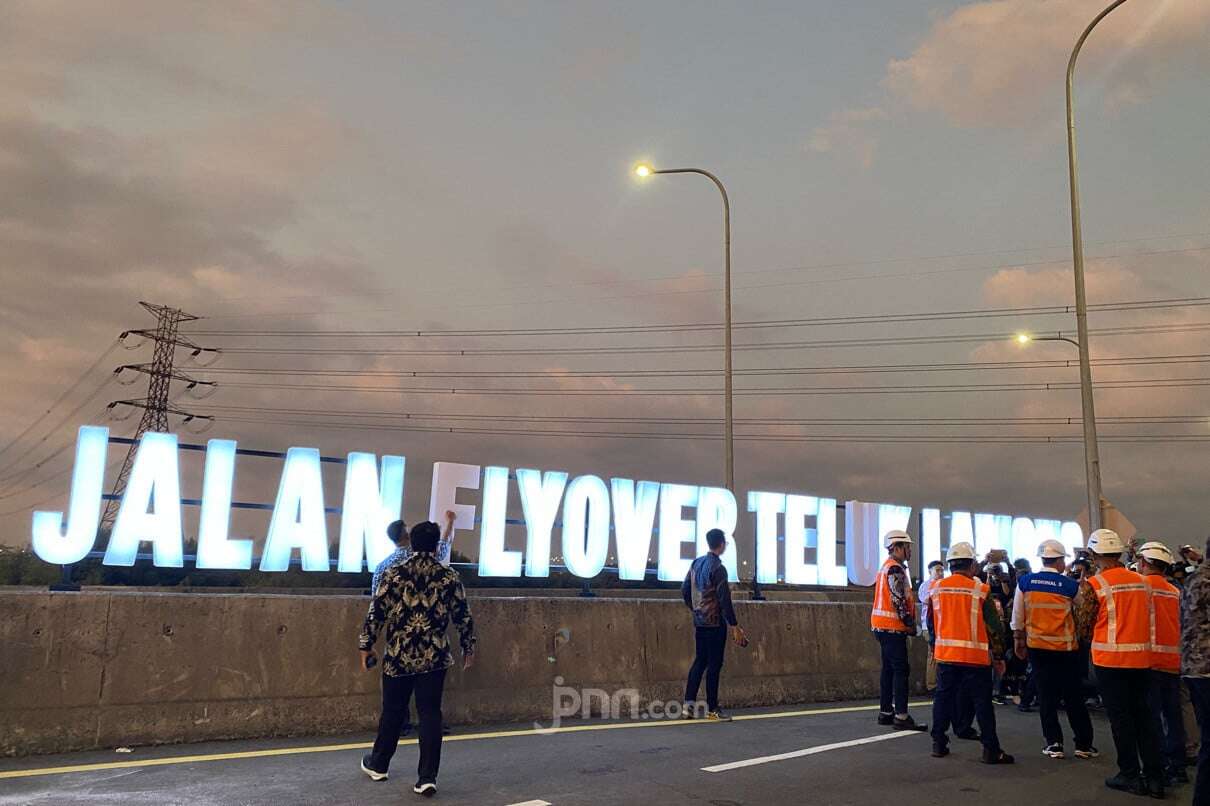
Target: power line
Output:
{"points": [[789, 438], [1158, 329], [1128, 361], [59, 425], [772, 391], [65, 394], [1174, 419], [864, 319]]}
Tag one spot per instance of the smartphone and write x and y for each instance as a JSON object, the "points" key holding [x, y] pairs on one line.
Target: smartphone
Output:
{"points": [[371, 661]]}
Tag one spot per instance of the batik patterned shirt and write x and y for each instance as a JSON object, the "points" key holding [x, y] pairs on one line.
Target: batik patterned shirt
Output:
{"points": [[413, 606], [1195, 623]]}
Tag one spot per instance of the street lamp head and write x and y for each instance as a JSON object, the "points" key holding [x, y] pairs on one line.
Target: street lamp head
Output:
{"points": [[1024, 338], [643, 170]]}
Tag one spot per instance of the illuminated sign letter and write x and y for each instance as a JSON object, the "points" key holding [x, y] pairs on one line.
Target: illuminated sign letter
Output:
{"points": [[716, 509], [961, 530], [767, 507], [1071, 535], [798, 539], [825, 552], [865, 524], [1024, 538], [633, 521], [540, 499], [494, 560], [674, 530], [298, 516], [930, 538], [586, 526], [151, 506], [447, 478], [371, 502], [87, 479], [992, 532], [214, 549]]}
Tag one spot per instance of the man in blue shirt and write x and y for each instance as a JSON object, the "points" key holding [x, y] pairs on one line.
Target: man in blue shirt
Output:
{"points": [[398, 532], [707, 593]]}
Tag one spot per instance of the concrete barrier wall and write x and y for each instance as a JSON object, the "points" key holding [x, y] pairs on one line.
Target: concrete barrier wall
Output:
{"points": [[104, 669]]}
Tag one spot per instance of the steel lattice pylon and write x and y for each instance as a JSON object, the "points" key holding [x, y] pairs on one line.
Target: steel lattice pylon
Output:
{"points": [[155, 406]]}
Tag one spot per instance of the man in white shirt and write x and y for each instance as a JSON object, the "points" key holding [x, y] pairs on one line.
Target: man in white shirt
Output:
{"points": [[936, 571]]}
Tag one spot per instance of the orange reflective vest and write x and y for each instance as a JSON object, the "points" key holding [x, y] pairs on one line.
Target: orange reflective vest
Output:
{"points": [[1165, 624], [956, 603], [884, 616], [1047, 598], [1121, 638]]}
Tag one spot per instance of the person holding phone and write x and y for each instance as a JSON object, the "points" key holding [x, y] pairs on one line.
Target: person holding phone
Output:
{"points": [[707, 593], [412, 608]]}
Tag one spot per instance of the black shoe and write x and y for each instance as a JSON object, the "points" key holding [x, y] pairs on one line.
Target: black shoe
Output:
{"points": [[996, 757], [1053, 751], [1155, 789], [970, 734], [426, 788], [907, 723], [1000, 699], [886, 719], [375, 775], [1124, 783], [940, 750], [1025, 709], [1087, 752]]}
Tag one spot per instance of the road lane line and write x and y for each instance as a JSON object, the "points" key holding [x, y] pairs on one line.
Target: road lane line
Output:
{"points": [[531, 803], [810, 751], [458, 737]]}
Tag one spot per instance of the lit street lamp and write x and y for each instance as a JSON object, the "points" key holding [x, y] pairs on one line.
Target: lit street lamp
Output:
{"points": [[643, 171], [1092, 458]]}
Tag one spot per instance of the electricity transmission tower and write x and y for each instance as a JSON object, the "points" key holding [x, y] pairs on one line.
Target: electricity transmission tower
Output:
{"points": [[160, 373]]}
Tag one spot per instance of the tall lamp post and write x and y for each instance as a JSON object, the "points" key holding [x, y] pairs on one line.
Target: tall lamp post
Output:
{"points": [[1092, 458], [644, 170]]}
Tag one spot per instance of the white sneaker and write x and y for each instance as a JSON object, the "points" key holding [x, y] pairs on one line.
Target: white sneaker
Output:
{"points": [[375, 775], [1053, 751], [1090, 752], [428, 789]]}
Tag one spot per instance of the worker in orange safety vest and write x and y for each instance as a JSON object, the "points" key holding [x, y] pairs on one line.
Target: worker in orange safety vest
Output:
{"points": [[969, 642], [1044, 630], [1113, 611], [1154, 560], [893, 620]]}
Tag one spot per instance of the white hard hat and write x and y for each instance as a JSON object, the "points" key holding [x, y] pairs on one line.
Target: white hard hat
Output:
{"points": [[960, 551], [1051, 550], [1155, 550], [895, 536], [1105, 541]]}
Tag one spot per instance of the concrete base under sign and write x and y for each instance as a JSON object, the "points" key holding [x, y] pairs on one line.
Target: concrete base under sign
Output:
{"points": [[101, 669]]}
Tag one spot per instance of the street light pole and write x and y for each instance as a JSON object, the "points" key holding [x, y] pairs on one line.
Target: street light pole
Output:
{"points": [[1092, 459], [643, 170]]}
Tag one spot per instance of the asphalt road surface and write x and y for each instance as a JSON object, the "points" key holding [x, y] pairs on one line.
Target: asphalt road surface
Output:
{"points": [[824, 753]]}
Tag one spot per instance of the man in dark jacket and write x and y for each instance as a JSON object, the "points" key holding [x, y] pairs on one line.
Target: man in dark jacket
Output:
{"points": [[707, 594]]}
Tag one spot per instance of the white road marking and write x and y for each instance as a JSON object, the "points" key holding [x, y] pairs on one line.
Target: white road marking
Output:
{"points": [[809, 751], [531, 803]]}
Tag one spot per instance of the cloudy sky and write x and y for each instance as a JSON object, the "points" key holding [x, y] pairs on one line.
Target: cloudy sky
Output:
{"points": [[392, 166]]}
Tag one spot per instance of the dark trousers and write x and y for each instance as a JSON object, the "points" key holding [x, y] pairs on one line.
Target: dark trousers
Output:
{"points": [[1059, 677], [1199, 692], [964, 716], [1124, 692], [893, 684], [711, 646], [396, 691], [1164, 692], [955, 681]]}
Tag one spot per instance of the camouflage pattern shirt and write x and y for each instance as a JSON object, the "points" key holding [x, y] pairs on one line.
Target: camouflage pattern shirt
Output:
{"points": [[1195, 624], [413, 606]]}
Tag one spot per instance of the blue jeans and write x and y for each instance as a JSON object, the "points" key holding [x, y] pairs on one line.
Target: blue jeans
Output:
{"points": [[893, 684], [956, 681]]}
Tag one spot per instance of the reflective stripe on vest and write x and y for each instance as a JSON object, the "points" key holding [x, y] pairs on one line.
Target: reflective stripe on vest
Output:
{"points": [[1048, 621], [1165, 625], [961, 635], [1122, 636], [883, 616]]}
